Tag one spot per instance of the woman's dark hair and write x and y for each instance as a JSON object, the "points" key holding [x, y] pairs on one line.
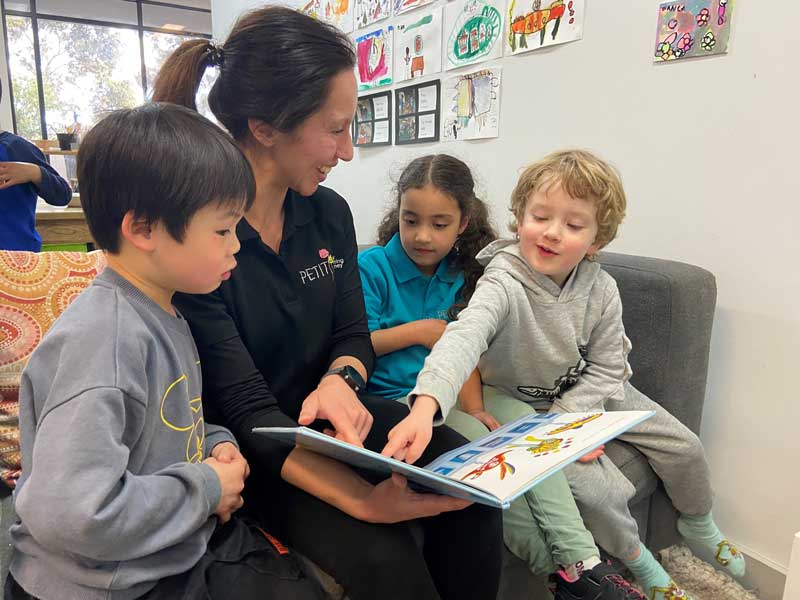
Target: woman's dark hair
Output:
{"points": [[451, 176], [275, 66], [163, 162]]}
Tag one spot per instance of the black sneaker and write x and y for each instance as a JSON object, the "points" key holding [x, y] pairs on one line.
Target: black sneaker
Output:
{"points": [[600, 583]]}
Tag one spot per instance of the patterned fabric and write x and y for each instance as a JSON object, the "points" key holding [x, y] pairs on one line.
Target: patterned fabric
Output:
{"points": [[35, 288]]}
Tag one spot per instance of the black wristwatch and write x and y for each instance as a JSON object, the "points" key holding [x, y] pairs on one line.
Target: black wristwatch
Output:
{"points": [[350, 375]]}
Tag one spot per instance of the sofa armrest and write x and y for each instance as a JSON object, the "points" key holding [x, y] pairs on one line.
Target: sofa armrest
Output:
{"points": [[668, 311]]}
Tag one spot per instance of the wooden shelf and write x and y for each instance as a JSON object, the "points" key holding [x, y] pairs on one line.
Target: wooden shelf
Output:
{"points": [[60, 152]]}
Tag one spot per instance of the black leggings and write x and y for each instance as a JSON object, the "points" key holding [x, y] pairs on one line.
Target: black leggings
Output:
{"points": [[462, 551]]}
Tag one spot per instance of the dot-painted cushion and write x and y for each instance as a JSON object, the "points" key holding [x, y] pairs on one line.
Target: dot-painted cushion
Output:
{"points": [[35, 288]]}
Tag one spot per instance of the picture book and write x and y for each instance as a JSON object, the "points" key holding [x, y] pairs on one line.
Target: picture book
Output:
{"points": [[494, 469]]}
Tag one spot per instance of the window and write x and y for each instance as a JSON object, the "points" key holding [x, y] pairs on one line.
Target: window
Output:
{"points": [[86, 57]]}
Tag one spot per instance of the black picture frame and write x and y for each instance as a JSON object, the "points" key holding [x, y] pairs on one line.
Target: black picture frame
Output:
{"points": [[410, 120], [365, 123]]}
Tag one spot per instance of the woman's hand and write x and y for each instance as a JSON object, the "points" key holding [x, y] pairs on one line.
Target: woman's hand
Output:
{"points": [[392, 502], [336, 402], [409, 438], [486, 418]]}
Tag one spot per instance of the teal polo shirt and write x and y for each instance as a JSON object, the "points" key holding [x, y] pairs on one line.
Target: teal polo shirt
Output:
{"points": [[396, 292]]}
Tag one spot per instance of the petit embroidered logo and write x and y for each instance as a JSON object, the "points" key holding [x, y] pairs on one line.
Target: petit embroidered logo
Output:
{"points": [[323, 269]]}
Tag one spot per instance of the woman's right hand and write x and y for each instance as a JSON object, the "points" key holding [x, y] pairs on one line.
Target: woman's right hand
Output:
{"points": [[391, 501]]}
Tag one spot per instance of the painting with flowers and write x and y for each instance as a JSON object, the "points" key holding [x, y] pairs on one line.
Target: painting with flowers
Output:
{"points": [[693, 28]]}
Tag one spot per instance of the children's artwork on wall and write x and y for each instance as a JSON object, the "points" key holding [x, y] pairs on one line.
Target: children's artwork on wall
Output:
{"points": [[401, 6], [372, 125], [693, 28], [418, 45], [418, 110], [312, 8], [339, 13], [472, 31], [471, 105], [370, 11], [542, 23], [374, 55]]}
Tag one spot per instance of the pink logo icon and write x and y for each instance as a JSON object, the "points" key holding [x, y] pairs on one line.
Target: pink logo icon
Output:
{"points": [[323, 253]]}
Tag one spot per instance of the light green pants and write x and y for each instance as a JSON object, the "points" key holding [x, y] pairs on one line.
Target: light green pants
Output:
{"points": [[543, 526]]}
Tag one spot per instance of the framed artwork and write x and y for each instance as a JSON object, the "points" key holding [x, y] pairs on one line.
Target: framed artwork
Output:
{"points": [[418, 109], [373, 123]]}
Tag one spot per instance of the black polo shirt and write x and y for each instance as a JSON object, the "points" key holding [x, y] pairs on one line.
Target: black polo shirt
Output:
{"points": [[269, 333]]}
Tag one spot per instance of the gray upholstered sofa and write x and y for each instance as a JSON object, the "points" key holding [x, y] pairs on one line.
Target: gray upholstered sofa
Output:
{"points": [[668, 312]]}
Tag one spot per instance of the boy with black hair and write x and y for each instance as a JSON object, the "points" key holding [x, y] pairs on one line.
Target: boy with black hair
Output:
{"points": [[25, 174], [121, 477]]}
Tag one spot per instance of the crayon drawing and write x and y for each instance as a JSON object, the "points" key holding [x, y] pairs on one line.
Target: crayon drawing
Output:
{"points": [[693, 28], [374, 55], [536, 24], [370, 11], [418, 45], [338, 12], [401, 6], [473, 29], [471, 105]]}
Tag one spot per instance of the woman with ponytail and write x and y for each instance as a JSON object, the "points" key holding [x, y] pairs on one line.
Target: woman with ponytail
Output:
{"points": [[285, 339]]}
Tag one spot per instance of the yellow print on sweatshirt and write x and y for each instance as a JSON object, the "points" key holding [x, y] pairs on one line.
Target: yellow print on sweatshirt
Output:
{"points": [[196, 430]]}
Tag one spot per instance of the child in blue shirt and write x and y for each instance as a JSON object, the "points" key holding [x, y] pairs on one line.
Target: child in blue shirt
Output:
{"points": [[422, 273], [24, 175]]}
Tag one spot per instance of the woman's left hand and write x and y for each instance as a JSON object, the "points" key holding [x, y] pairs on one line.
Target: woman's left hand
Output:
{"points": [[336, 402]]}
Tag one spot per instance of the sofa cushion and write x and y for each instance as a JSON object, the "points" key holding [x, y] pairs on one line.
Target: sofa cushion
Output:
{"points": [[35, 288]]}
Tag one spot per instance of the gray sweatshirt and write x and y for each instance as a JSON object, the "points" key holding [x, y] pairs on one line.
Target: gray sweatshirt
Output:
{"points": [[561, 349], [112, 496]]}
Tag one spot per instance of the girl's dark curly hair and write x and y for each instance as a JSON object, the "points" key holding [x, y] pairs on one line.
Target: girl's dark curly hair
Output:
{"points": [[451, 176]]}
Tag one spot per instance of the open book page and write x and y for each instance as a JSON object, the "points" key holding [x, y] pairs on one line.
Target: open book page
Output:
{"points": [[492, 470], [511, 459]]}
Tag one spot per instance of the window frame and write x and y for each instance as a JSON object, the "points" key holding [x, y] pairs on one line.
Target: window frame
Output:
{"points": [[140, 28]]}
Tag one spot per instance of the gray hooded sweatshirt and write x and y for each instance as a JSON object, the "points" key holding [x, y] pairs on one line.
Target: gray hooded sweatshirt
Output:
{"points": [[561, 349], [113, 494]]}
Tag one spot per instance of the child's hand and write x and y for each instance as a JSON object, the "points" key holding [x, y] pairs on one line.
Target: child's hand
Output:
{"points": [[409, 438], [227, 452], [486, 418], [432, 330], [15, 173], [593, 455], [231, 478]]}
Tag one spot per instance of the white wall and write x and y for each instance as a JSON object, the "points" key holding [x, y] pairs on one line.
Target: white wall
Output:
{"points": [[708, 150], [6, 121]]}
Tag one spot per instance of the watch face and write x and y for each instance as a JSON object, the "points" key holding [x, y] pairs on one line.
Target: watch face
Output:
{"points": [[354, 375]]}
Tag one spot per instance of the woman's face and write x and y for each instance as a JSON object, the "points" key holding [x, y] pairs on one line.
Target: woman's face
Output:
{"points": [[305, 156]]}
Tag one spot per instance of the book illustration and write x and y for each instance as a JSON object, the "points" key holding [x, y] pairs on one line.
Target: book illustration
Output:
{"points": [[575, 424], [498, 460], [544, 447]]}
